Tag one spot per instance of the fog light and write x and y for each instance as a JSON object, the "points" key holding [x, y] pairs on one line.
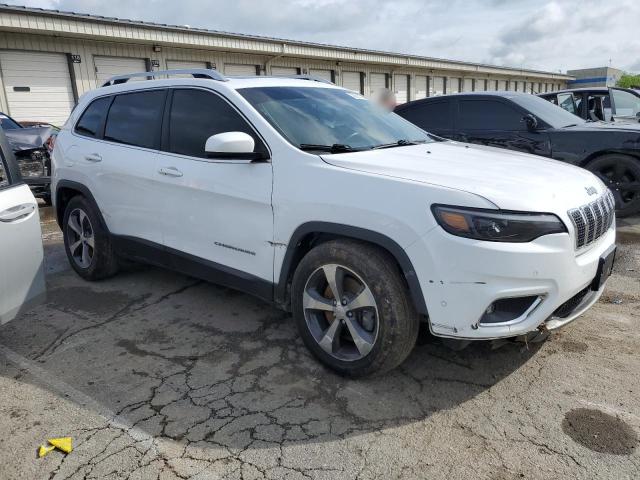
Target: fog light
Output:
{"points": [[508, 310]]}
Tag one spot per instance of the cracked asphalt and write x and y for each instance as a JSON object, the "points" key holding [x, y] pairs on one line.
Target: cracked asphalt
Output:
{"points": [[160, 376]]}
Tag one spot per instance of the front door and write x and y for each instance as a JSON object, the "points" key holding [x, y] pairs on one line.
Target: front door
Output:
{"points": [[496, 123], [216, 213], [624, 105], [21, 254]]}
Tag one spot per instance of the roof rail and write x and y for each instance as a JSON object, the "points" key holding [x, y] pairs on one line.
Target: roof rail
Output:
{"points": [[195, 72]]}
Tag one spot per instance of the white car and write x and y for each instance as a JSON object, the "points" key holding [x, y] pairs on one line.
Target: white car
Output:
{"points": [[308, 195], [22, 282]]}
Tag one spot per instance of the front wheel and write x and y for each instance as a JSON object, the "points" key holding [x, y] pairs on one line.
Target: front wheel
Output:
{"points": [[352, 308], [621, 174]]}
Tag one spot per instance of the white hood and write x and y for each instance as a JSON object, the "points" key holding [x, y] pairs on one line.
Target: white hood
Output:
{"points": [[510, 180]]}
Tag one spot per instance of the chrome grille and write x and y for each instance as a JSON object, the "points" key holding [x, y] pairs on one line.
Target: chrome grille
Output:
{"points": [[592, 220]]}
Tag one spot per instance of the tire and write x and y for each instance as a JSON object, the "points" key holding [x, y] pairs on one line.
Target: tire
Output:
{"points": [[621, 173], [86, 242], [382, 315]]}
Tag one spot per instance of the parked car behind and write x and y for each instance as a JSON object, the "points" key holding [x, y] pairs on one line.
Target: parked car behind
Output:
{"points": [[599, 103], [527, 123], [31, 147], [310, 196]]}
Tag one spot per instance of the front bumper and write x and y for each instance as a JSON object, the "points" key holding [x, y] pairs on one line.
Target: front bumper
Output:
{"points": [[460, 278]]}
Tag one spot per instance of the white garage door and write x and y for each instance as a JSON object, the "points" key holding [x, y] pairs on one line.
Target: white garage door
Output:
{"points": [[401, 88], [37, 86], [107, 67], [480, 85], [421, 86], [284, 71], [184, 64], [377, 81], [467, 85], [351, 81], [240, 70], [502, 85], [453, 85], [437, 86], [324, 74]]}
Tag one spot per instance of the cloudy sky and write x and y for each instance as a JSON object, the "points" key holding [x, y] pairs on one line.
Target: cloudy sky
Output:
{"points": [[550, 35]]}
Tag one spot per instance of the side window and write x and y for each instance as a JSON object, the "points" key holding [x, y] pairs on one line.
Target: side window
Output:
{"points": [[92, 120], [4, 179], [481, 115], [627, 104], [430, 116], [196, 115], [135, 118], [566, 101]]}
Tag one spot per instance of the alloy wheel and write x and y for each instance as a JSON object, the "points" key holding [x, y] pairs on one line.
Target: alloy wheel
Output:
{"points": [[341, 312], [81, 238], [622, 182]]}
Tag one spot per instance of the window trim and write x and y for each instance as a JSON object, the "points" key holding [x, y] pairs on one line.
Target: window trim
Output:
{"points": [[164, 143]]}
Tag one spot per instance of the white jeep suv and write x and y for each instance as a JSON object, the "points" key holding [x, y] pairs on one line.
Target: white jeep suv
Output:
{"points": [[309, 196]]}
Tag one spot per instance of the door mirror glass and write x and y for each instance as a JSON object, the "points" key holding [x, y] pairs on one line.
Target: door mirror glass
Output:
{"points": [[237, 145], [531, 121]]}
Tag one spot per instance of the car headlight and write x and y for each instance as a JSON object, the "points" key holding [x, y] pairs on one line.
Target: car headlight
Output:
{"points": [[496, 225]]}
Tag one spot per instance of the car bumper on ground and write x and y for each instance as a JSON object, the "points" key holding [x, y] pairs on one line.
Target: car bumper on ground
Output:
{"points": [[489, 290]]}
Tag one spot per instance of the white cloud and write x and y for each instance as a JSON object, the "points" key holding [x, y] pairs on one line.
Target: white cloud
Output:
{"points": [[551, 35]]}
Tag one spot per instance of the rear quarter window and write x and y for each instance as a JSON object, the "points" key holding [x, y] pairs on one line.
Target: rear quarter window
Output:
{"points": [[92, 120]]}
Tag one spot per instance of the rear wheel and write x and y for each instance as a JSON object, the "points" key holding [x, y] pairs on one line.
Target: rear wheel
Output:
{"points": [[352, 308], [621, 173], [86, 242]]}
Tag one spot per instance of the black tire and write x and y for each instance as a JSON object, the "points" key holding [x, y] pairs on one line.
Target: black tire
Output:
{"points": [[103, 262], [621, 173], [397, 322]]}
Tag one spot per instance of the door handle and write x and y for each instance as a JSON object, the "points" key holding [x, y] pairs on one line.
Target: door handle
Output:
{"points": [[16, 213], [93, 157], [170, 172]]}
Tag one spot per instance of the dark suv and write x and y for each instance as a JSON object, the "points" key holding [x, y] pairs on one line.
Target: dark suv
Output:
{"points": [[524, 122], [599, 103]]}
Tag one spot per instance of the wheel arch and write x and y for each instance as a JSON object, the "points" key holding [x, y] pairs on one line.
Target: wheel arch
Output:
{"points": [[65, 191], [310, 234], [601, 153]]}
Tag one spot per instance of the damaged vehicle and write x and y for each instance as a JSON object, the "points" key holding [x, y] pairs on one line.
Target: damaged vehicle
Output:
{"points": [[32, 147], [599, 104], [309, 196]]}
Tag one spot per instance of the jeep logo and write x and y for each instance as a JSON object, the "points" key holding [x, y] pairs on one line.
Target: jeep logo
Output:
{"points": [[591, 190]]}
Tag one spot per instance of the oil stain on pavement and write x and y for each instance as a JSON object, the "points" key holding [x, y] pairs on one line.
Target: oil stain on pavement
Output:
{"points": [[600, 432]]}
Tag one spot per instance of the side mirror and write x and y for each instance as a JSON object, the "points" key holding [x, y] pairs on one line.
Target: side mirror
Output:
{"points": [[232, 146], [531, 121]]}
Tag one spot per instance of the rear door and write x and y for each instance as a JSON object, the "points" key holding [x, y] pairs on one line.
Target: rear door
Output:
{"points": [[21, 255]]}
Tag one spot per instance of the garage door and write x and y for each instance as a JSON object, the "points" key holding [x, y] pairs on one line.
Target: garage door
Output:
{"points": [[324, 74], [453, 85], [37, 86], [480, 85], [467, 85], [107, 67], [351, 81], [421, 86], [284, 71], [377, 81], [240, 70], [401, 88], [437, 86], [184, 65], [502, 85]]}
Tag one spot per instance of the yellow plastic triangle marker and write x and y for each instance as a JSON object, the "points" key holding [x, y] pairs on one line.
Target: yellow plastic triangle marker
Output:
{"points": [[42, 451], [65, 444]]}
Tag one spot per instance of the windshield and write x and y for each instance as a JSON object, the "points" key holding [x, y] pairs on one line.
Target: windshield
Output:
{"points": [[547, 111], [329, 119], [8, 123]]}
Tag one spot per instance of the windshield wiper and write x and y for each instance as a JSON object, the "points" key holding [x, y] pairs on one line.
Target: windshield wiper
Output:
{"points": [[335, 148], [399, 143]]}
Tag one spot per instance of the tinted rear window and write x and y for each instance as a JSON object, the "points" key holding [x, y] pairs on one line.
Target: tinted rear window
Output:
{"points": [[135, 119], [430, 116], [92, 120]]}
